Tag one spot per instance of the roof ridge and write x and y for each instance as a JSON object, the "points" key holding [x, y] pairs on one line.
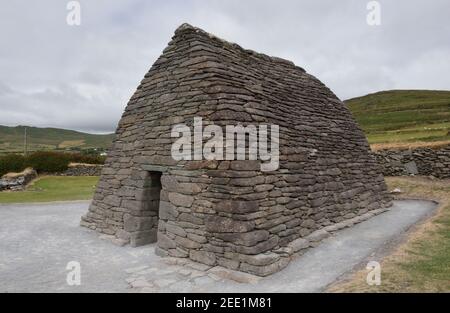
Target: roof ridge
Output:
{"points": [[188, 27]]}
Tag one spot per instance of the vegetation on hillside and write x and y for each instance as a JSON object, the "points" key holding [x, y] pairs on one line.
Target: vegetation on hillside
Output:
{"points": [[403, 116], [12, 139]]}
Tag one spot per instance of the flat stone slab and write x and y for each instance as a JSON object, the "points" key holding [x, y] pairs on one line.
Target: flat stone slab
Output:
{"points": [[36, 250]]}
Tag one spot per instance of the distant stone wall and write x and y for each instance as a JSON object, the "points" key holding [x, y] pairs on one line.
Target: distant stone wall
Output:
{"points": [[83, 170], [420, 161], [17, 181]]}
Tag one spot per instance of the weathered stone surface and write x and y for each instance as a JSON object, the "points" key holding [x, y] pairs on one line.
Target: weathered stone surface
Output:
{"points": [[197, 238], [143, 237], [179, 199], [245, 165], [228, 263], [122, 234], [298, 244], [220, 224], [187, 243], [317, 235], [259, 259], [204, 257], [236, 206], [266, 269], [260, 247], [167, 211], [245, 239], [165, 242]]}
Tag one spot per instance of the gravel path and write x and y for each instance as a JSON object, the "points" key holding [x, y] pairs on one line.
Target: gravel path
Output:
{"points": [[38, 240]]}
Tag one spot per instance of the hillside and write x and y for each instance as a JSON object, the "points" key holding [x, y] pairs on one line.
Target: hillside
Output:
{"points": [[12, 139], [404, 117]]}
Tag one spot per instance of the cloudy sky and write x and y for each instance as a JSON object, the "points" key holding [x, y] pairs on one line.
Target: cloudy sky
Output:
{"points": [[80, 77]]}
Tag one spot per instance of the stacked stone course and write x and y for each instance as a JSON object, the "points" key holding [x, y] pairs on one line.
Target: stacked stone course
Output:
{"points": [[230, 213]]}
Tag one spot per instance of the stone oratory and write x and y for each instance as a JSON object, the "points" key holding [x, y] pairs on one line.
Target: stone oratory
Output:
{"points": [[230, 213]]}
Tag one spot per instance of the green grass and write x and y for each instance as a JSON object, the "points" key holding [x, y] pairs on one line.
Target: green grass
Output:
{"points": [[54, 188], [12, 138], [432, 262], [403, 115], [422, 263]]}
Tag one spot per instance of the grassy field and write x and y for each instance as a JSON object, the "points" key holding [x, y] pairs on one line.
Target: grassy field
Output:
{"points": [[12, 138], [403, 116], [54, 188], [422, 263]]}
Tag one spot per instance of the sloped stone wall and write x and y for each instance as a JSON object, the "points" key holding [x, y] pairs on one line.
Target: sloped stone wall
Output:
{"points": [[229, 213], [419, 161]]}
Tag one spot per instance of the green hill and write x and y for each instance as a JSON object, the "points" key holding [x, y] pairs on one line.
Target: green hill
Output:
{"points": [[12, 139], [414, 117]]}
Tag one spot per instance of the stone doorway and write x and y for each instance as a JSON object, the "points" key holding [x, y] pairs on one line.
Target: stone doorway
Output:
{"points": [[146, 224], [153, 193]]}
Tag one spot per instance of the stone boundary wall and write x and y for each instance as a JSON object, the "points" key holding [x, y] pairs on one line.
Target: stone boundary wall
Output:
{"points": [[83, 170], [420, 161], [17, 181]]}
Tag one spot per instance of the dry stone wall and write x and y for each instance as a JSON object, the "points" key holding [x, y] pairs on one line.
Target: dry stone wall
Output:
{"points": [[229, 213], [420, 161], [83, 170], [17, 181]]}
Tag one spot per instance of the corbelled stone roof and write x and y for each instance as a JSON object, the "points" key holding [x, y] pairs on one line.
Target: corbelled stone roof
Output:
{"points": [[229, 212]]}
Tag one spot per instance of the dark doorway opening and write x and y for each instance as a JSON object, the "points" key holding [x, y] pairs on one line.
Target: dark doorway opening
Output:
{"points": [[154, 193], [144, 225]]}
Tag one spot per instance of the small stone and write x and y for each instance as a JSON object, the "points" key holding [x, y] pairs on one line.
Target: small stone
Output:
{"points": [[187, 243], [167, 211], [299, 244], [228, 263], [245, 239], [265, 270], [220, 224], [260, 259], [176, 230], [179, 199], [165, 242], [318, 235], [261, 247], [204, 257]]}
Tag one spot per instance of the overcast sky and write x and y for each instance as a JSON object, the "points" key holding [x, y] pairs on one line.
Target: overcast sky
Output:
{"points": [[80, 77]]}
